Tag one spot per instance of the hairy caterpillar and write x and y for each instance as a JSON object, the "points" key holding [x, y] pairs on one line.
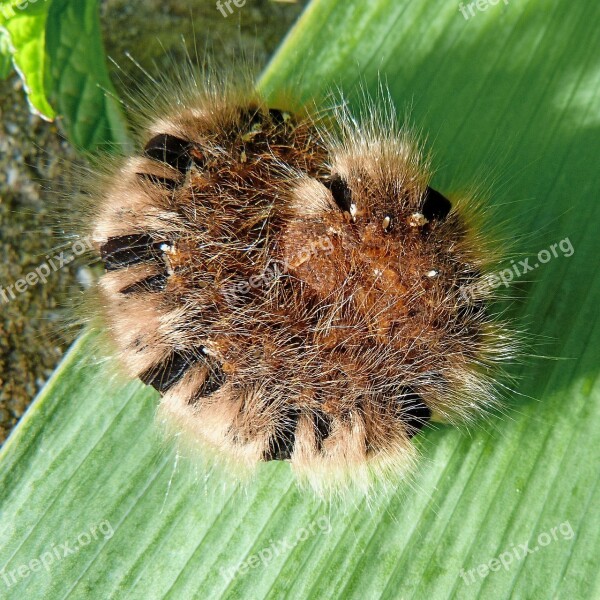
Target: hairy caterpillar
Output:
{"points": [[291, 284]]}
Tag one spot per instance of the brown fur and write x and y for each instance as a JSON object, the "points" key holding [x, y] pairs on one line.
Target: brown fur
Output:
{"points": [[277, 279]]}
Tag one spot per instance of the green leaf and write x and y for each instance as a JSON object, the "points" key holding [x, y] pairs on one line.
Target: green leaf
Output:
{"points": [[508, 96], [6, 65], [78, 84], [57, 47], [25, 24]]}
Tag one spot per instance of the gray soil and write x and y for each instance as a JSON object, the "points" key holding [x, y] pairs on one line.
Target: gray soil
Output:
{"points": [[36, 326]]}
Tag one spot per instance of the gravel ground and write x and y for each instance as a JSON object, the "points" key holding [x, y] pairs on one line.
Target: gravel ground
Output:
{"points": [[36, 326]]}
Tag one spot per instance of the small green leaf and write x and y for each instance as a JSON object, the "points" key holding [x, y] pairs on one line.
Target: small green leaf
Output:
{"points": [[6, 65], [26, 28], [78, 82]]}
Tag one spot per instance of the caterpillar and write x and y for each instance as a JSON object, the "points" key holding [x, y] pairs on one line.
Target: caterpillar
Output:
{"points": [[292, 285]]}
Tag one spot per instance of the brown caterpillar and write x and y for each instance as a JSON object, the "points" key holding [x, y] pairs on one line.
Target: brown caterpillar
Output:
{"points": [[291, 285]]}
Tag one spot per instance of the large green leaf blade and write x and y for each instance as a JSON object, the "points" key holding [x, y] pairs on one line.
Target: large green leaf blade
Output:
{"points": [[512, 93]]}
